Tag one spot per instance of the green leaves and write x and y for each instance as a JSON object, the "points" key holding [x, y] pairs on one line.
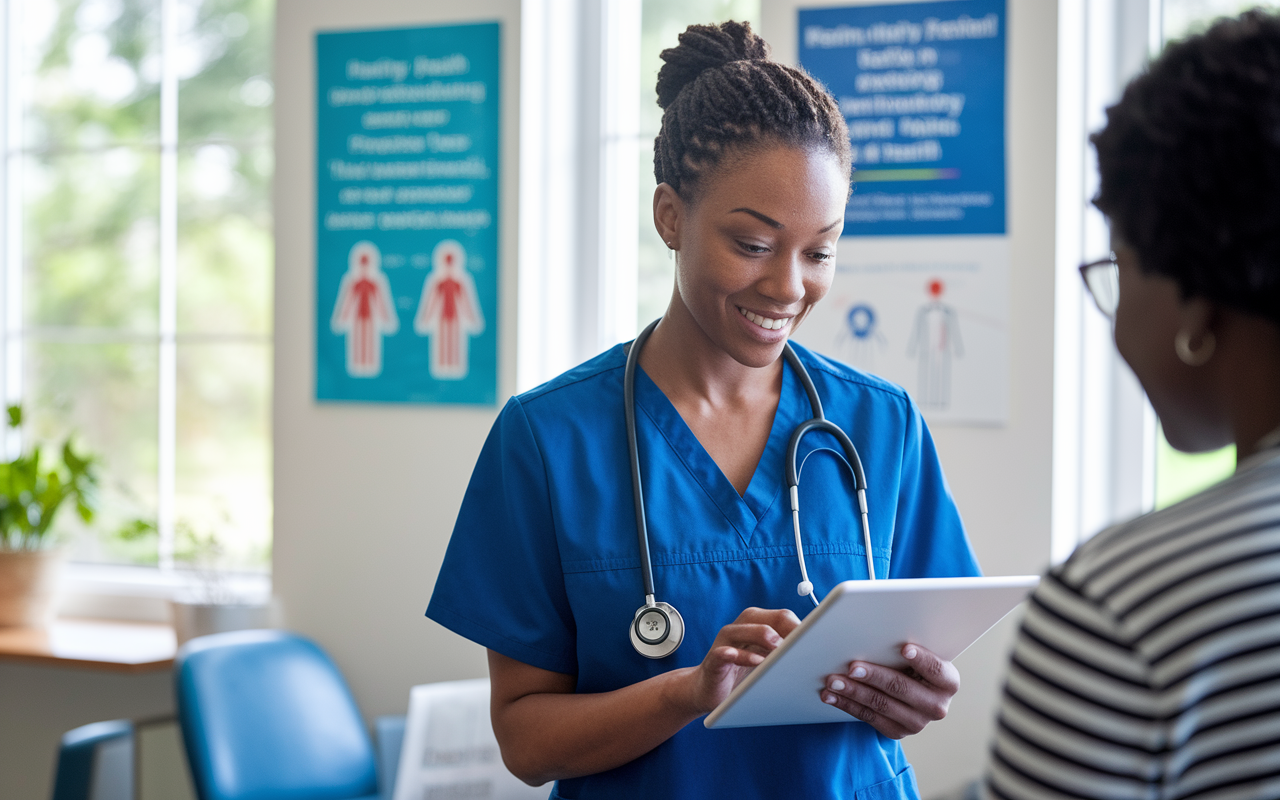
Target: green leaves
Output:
{"points": [[31, 493]]}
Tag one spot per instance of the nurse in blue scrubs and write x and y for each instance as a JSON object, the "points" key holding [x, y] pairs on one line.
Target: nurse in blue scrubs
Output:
{"points": [[753, 170]]}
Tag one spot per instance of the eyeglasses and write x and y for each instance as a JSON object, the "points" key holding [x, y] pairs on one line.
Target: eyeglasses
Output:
{"points": [[1102, 279]]}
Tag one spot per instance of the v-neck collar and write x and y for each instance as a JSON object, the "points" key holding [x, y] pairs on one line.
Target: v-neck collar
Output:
{"points": [[745, 511]]}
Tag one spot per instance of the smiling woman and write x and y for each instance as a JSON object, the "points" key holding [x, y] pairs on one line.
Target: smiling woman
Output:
{"points": [[543, 568]]}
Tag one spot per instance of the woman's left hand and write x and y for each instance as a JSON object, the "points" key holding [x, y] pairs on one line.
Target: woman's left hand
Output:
{"points": [[896, 702]]}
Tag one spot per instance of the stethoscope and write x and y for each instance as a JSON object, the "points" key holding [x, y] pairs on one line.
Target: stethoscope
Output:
{"points": [[657, 628]]}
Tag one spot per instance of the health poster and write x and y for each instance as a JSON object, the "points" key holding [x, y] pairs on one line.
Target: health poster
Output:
{"points": [[921, 87], [407, 146], [921, 291]]}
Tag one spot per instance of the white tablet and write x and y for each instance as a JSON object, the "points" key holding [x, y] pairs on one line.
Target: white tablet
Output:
{"points": [[866, 621]]}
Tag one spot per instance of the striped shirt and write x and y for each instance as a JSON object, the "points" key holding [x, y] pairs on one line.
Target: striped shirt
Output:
{"points": [[1148, 665]]}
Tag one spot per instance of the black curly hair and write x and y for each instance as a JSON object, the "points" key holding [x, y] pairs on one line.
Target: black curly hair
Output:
{"points": [[720, 92], [1190, 164]]}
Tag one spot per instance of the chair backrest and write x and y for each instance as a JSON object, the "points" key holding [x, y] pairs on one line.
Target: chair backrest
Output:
{"points": [[449, 747], [95, 762], [267, 714]]}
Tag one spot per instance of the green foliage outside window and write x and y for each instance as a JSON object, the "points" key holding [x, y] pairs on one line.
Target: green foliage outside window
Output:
{"points": [[1180, 475]]}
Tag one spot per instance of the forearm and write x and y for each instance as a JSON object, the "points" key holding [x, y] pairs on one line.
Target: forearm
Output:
{"points": [[549, 735]]}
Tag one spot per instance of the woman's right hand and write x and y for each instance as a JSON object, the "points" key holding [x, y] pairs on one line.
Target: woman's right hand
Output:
{"points": [[740, 645]]}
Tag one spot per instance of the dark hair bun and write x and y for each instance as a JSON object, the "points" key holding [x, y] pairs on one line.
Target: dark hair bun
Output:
{"points": [[704, 47]]}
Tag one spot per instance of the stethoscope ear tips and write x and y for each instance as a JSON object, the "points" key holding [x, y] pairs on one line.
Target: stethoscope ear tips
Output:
{"points": [[656, 630]]}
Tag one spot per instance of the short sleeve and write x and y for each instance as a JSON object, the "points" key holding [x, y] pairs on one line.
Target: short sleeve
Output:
{"points": [[929, 539], [501, 584]]}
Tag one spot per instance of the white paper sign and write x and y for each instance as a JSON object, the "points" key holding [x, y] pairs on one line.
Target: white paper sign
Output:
{"points": [[450, 750], [930, 313]]}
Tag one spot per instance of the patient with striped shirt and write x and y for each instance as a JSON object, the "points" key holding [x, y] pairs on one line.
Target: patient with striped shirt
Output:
{"points": [[1148, 665]]}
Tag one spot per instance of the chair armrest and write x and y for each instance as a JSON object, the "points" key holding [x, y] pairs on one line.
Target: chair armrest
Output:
{"points": [[388, 739], [96, 755]]}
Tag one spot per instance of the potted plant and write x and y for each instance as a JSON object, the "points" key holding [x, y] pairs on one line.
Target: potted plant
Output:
{"points": [[32, 491]]}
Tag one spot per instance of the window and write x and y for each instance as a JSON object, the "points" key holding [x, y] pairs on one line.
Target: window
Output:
{"points": [[137, 269], [1110, 460], [1179, 475], [661, 22]]}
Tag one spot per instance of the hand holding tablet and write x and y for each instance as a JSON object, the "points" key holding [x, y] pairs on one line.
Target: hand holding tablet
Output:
{"points": [[866, 621]]}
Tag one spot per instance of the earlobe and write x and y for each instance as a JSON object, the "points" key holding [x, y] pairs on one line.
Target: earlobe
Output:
{"points": [[1195, 341]]}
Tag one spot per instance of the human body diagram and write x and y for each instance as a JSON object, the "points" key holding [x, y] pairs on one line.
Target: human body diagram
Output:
{"points": [[935, 340], [365, 311], [449, 312]]}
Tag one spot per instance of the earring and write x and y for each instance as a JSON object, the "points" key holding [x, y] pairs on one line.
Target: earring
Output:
{"points": [[1194, 358]]}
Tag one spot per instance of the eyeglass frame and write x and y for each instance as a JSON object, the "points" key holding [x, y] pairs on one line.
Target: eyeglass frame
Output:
{"points": [[1092, 268]]}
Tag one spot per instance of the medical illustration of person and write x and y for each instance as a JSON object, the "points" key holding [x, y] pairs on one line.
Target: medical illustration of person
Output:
{"points": [[860, 335], [449, 311], [935, 340], [365, 311]]}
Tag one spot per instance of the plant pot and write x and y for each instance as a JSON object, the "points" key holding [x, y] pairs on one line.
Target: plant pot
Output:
{"points": [[28, 587], [201, 619]]}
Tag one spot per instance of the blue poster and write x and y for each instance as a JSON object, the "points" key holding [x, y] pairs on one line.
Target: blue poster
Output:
{"points": [[922, 88], [407, 143]]}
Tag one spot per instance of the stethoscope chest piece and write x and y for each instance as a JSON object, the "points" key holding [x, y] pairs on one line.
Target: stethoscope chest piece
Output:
{"points": [[656, 630]]}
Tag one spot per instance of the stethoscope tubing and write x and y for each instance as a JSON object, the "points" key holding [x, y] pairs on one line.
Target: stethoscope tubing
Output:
{"points": [[819, 422], [637, 490]]}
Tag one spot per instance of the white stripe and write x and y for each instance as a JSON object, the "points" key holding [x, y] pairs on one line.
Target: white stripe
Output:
{"points": [[1050, 735], [1195, 681], [1070, 710], [1121, 578], [1223, 710], [1217, 616], [1113, 557], [1249, 733], [1229, 770], [1101, 653], [1014, 785], [1082, 611], [1127, 698], [1268, 788], [1236, 548], [1054, 771]]}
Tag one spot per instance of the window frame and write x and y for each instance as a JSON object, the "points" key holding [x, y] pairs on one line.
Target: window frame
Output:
{"points": [[1104, 430]]}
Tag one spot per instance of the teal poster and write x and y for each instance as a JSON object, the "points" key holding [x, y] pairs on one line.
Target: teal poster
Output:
{"points": [[407, 146], [922, 88]]}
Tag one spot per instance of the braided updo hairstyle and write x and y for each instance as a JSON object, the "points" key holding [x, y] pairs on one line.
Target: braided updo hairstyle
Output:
{"points": [[1190, 164], [719, 92]]}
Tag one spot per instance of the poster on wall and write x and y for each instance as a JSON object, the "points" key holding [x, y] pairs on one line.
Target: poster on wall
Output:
{"points": [[407, 176], [921, 291]]}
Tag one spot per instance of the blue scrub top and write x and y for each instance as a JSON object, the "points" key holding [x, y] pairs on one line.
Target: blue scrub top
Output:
{"points": [[543, 565]]}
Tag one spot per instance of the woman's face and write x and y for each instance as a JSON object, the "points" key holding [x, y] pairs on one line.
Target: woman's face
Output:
{"points": [[1149, 316], [756, 248]]}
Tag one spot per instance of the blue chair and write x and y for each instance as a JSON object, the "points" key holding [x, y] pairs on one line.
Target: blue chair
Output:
{"points": [[266, 715], [95, 762]]}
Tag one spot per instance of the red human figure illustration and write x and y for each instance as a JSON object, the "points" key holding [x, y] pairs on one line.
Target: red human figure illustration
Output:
{"points": [[449, 311], [364, 311]]}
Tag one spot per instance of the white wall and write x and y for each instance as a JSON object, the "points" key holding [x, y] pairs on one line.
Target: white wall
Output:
{"points": [[365, 495], [1001, 477]]}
